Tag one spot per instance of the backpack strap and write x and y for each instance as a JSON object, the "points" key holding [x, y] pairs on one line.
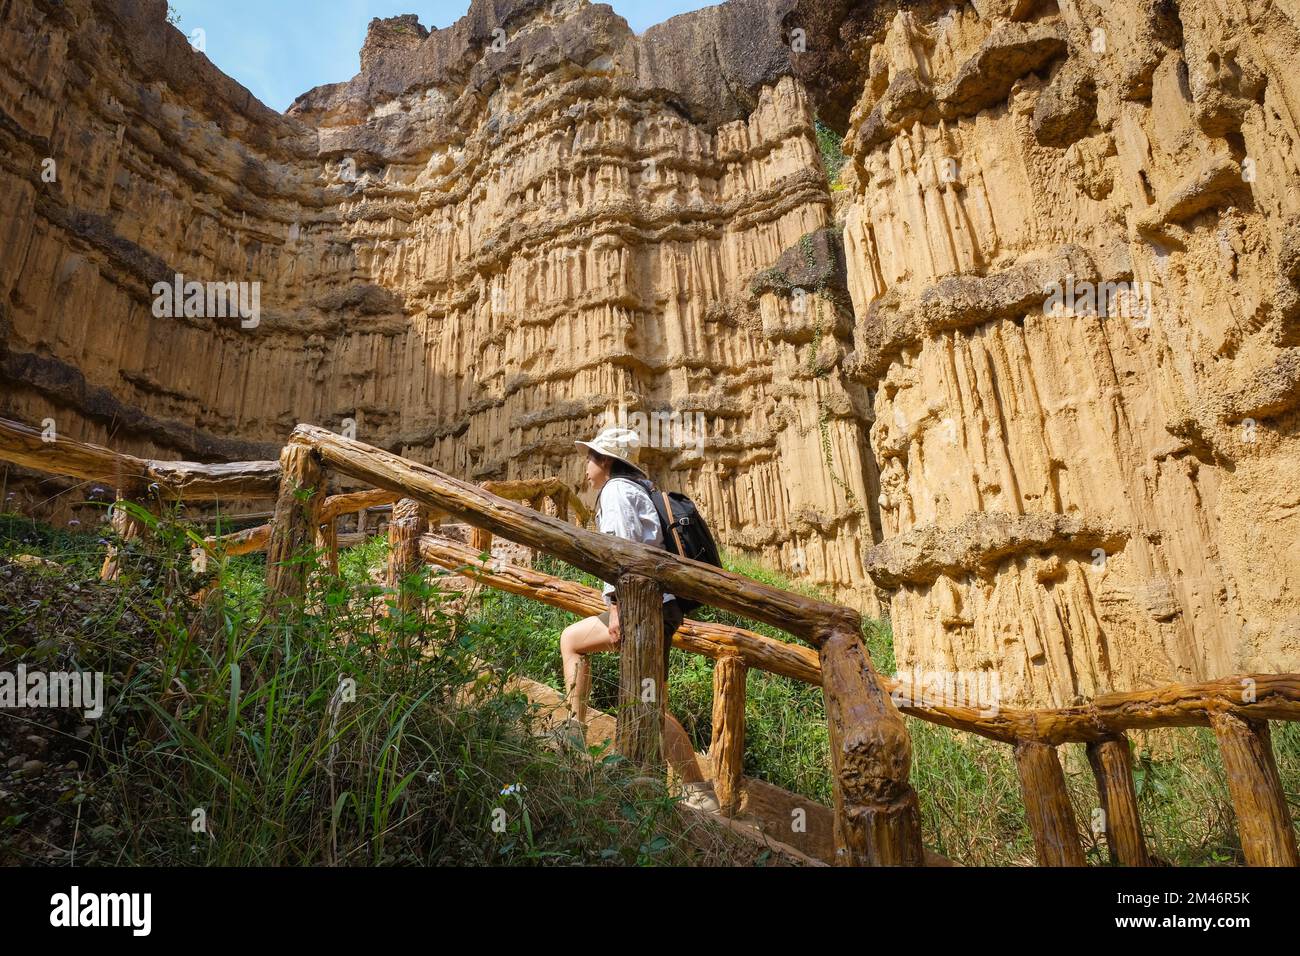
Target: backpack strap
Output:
{"points": [[663, 496], [672, 524]]}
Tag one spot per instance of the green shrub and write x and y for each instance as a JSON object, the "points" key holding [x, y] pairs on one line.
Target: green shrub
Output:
{"points": [[831, 144], [214, 708], [342, 736]]}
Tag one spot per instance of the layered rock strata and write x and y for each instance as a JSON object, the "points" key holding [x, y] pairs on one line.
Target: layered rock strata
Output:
{"points": [[1072, 254], [494, 238], [1040, 383]]}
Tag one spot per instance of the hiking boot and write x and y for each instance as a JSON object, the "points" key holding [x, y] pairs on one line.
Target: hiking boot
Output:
{"points": [[701, 796]]}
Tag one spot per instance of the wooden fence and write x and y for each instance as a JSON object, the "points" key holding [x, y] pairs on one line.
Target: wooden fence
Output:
{"points": [[877, 820]]}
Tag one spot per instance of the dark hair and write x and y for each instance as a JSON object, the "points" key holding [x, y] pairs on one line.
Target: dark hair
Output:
{"points": [[621, 469], [618, 468]]}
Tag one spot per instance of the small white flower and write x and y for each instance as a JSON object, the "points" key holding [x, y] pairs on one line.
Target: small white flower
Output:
{"points": [[513, 788]]}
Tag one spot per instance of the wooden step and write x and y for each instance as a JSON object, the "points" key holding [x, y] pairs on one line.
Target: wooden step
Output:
{"points": [[790, 824]]}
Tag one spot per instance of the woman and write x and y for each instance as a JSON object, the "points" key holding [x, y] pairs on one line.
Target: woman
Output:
{"points": [[624, 508]]}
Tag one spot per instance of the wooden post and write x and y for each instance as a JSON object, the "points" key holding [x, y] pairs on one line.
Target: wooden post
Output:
{"points": [[877, 816], [292, 528], [641, 684], [1267, 837], [327, 540], [481, 541], [1112, 765], [727, 749], [404, 530], [1047, 805], [129, 527]]}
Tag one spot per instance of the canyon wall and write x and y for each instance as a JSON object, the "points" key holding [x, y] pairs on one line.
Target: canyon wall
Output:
{"points": [[492, 239], [1087, 486], [1032, 369]]}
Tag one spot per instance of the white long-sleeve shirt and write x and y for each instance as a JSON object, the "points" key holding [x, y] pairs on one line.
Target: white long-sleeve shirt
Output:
{"points": [[625, 510]]}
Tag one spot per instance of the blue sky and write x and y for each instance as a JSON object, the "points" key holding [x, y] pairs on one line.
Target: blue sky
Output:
{"points": [[279, 49]]}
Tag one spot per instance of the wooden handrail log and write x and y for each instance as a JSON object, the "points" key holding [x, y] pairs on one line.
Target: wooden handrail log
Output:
{"points": [[240, 542], [525, 489], [180, 480], [336, 506], [264, 516], [1277, 697], [1257, 696], [697, 637], [605, 556]]}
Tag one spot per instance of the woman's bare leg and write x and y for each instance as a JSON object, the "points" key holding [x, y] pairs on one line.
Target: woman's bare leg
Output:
{"points": [[581, 690], [578, 640], [589, 636]]}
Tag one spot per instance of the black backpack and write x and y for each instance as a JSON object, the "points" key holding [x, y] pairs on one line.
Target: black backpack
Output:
{"points": [[685, 531]]}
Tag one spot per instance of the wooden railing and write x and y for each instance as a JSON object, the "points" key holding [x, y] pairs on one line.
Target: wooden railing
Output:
{"points": [[1238, 708], [876, 815]]}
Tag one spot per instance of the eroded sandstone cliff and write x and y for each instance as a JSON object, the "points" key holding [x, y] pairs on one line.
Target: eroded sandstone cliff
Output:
{"points": [[1034, 371], [492, 237], [1087, 486]]}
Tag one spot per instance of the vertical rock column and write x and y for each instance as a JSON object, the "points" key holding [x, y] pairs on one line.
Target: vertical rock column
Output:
{"points": [[1072, 258]]}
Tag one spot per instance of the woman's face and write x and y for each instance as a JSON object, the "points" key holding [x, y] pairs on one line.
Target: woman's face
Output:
{"points": [[598, 468]]}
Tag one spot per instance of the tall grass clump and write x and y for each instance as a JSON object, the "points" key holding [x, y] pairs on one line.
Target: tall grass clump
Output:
{"points": [[346, 734]]}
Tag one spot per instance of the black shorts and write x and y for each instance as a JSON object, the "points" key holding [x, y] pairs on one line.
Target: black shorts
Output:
{"points": [[672, 621]]}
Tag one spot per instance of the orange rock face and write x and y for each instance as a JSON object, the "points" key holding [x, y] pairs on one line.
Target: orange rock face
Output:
{"points": [[1072, 253], [1033, 372], [491, 240]]}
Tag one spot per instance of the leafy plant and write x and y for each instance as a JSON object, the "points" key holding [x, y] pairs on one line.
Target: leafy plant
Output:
{"points": [[351, 735], [831, 145]]}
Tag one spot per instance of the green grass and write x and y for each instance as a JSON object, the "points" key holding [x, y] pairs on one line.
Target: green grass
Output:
{"points": [[341, 736], [968, 786], [216, 709]]}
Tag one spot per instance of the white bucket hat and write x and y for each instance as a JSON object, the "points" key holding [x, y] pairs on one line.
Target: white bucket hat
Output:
{"points": [[621, 443]]}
